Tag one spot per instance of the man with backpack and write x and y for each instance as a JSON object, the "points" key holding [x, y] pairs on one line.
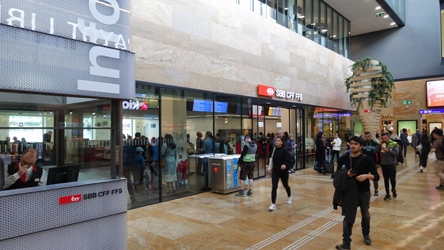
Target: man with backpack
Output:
{"points": [[389, 152], [246, 160], [369, 150], [352, 184], [437, 147]]}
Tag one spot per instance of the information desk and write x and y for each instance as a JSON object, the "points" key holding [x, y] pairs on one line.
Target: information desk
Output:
{"points": [[224, 173], [75, 215]]}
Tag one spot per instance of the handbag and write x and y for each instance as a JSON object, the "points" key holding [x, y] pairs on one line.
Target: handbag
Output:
{"points": [[419, 148], [163, 163], [270, 161]]}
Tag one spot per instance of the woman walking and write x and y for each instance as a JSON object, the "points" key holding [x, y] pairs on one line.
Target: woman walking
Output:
{"points": [[281, 164], [425, 150]]}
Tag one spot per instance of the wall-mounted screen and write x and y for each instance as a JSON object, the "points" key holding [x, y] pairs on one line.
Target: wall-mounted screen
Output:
{"points": [[435, 93], [207, 106]]}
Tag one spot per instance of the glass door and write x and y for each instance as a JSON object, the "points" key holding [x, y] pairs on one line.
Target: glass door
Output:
{"points": [[258, 136]]}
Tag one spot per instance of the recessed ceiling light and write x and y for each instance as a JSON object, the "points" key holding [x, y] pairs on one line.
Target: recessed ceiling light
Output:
{"points": [[393, 23], [286, 8], [301, 16], [378, 8], [386, 16]]}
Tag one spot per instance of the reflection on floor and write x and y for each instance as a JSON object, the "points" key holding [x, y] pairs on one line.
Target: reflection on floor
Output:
{"points": [[414, 220]]}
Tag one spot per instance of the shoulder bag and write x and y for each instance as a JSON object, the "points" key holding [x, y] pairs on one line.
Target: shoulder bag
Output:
{"points": [[270, 161]]}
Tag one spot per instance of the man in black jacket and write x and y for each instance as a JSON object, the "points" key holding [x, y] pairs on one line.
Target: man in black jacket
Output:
{"points": [[369, 150], [359, 167]]}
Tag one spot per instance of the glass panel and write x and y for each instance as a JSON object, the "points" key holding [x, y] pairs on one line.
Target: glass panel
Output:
{"points": [[310, 134], [246, 4], [322, 27], [65, 154], [271, 9], [292, 14], [185, 116], [299, 140], [330, 27], [309, 19], [347, 38], [300, 16], [228, 125], [316, 20], [259, 7], [398, 6], [140, 128], [341, 35], [335, 32], [282, 14]]}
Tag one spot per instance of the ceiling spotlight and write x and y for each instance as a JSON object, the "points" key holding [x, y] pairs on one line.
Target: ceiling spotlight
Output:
{"points": [[386, 16], [378, 8], [94, 113], [301, 16], [286, 8], [393, 23], [324, 30]]}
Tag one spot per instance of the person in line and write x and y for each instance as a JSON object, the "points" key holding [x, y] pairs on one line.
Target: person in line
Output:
{"points": [[320, 151], [24, 173], [360, 171], [246, 161], [207, 148], [369, 150], [281, 164], [404, 141], [139, 163], [169, 152], [416, 141], [336, 147], [389, 151], [437, 148], [291, 147], [425, 147]]}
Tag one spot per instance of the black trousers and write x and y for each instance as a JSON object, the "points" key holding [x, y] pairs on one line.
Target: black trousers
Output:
{"points": [[423, 159], [275, 181], [389, 173], [364, 203]]}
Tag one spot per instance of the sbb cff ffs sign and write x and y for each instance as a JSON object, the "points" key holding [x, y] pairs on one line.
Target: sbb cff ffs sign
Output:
{"points": [[265, 91]]}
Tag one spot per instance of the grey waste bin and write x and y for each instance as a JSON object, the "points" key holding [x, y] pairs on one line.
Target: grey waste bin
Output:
{"points": [[224, 173]]}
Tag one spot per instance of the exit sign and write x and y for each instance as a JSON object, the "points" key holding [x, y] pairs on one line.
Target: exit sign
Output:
{"points": [[380, 14], [406, 102]]}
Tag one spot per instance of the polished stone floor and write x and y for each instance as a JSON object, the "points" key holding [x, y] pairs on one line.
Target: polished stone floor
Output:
{"points": [[414, 220]]}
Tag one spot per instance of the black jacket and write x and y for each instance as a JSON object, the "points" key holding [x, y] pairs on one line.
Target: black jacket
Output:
{"points": [[320, 150], [33, 182], [346, 195], [281, 157]]}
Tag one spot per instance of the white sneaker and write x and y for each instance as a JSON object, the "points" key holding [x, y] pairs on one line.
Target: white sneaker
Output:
{"points": [[272, 207], [289, 200], [422, 169]]}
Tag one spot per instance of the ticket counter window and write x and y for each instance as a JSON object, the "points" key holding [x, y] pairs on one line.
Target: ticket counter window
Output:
{"points": [[71, 136]]}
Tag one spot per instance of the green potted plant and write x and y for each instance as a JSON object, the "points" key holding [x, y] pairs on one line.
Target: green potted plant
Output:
{"points": [[370, 88]]}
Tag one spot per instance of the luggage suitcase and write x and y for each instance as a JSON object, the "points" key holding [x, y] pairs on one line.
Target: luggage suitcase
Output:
{"points": [[329, 165]]}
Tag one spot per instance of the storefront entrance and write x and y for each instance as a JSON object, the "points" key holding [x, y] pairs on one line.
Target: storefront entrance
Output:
{"points": [[270, 120]]}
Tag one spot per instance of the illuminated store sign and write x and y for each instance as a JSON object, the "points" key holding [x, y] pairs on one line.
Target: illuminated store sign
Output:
{"points": [[332, 115], [432, 111], [268, 91], [51, 56], [134, 105]]}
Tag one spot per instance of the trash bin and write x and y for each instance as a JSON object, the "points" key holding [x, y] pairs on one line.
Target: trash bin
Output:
{"points": [[224, 173]]}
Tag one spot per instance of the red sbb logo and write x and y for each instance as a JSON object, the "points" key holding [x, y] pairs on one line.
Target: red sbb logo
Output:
{"points": [[265, 90], [70, 199]]}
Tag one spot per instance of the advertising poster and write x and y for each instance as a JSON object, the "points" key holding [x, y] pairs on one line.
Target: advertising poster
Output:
{"points": [[409, 125], [435, 93], [235, 169]]}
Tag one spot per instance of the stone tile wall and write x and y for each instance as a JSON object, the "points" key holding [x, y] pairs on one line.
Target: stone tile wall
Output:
{"points": [[217, 45]]}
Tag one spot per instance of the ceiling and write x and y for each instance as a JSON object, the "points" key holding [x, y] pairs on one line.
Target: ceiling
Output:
{"points": [[362, 15]]}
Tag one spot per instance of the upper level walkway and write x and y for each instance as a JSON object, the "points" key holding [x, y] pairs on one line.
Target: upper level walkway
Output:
{"points": [[414, 220]]}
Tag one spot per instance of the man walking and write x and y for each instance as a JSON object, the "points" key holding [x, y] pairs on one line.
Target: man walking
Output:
{"points": [[439, 153], [415, 141], [369, 150], [247, 159], [389, 152], [360, 171]]}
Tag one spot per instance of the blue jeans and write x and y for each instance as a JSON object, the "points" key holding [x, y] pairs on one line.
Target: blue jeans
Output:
{"points": [[364, 204]]}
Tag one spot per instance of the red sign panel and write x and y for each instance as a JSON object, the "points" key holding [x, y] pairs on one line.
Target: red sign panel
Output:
{"points": [[70, 199], [367, 111], [265, 90]]}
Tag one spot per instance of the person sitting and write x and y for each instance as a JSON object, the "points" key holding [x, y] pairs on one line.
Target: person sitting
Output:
{"points": [[24, 173]]}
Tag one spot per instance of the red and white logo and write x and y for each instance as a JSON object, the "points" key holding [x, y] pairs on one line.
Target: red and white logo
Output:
{"points": [[70, 199], [265, 90]]}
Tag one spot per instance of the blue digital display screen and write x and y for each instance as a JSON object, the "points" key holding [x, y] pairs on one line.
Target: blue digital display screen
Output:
{"points": [[207, 106]]}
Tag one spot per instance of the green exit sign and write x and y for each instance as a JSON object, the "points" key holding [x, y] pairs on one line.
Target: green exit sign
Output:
{"points": [[380, 14], [406, 102]]}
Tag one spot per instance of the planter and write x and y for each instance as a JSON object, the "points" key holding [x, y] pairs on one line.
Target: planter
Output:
{"points": [[369, 89]]}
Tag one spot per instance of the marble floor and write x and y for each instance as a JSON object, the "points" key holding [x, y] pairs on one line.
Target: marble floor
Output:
{"points": [[414, 220]]}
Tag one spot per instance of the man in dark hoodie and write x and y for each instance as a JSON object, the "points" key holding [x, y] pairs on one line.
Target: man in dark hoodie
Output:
{"points": [[360, 171], [247, 159], [369, 150]]}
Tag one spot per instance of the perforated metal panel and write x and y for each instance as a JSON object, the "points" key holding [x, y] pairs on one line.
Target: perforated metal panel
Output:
{"points": [[38, 209], [64, 18], [107, 233], [36, 62]]}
